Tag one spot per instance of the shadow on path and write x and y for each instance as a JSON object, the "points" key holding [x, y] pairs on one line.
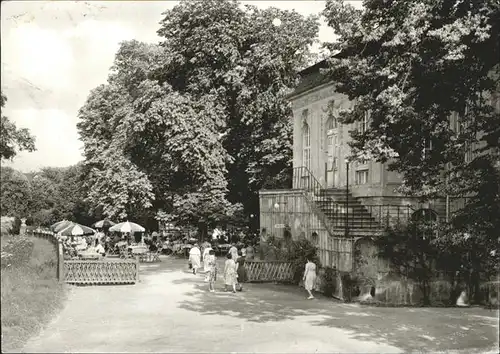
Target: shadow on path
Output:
{"points": [[434, 329]]}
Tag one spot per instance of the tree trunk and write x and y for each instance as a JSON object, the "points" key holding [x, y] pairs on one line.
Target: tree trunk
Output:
{"points": [[424, 286], [202, 230]]}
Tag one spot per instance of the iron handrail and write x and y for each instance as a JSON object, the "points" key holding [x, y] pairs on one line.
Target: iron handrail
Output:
{"points": [[344, 212]]}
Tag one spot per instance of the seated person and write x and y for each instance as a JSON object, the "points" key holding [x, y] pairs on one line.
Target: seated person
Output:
{"points": [[82, 244], [100, 249], [153, 247]]}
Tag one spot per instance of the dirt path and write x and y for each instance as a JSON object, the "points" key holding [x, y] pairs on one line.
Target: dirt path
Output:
{"points": [[171, 311]]}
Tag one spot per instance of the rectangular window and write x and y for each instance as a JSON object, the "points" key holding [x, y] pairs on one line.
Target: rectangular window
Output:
{"points": [[362, 177], [363, 127]]}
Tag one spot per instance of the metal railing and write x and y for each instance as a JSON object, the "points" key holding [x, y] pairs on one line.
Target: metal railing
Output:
{"points": [[341, 211]]}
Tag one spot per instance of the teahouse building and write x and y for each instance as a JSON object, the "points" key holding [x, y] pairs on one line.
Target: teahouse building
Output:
{"points": [[337, 205]]}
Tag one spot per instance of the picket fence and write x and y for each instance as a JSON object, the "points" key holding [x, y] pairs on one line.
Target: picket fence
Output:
{"points": [[269, 271], [91, 272]]}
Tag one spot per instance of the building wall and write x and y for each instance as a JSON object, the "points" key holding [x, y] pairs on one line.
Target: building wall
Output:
{"points": [[315, 102], [293, 211]]}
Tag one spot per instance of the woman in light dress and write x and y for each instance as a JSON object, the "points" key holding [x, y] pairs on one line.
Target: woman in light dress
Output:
{"points": [[194, 258], [212, 270], [309, 277], [230, 274], [206, 258]]}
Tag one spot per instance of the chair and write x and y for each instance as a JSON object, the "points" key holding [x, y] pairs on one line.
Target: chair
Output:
{"points": [[155, 256], [124, 252]]}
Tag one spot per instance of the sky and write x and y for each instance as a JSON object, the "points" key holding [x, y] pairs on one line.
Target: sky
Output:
{"points": [[55, 52]]}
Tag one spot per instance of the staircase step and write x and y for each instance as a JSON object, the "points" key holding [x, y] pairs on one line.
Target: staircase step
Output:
{"points": [[339, 203], [353, 228], [356, 212]]}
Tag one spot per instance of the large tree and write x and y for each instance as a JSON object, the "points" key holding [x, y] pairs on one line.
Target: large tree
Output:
{"points": [[13, 139], [59, 193], [200, 123], [15, 193], [412, 65], [249, 61]]}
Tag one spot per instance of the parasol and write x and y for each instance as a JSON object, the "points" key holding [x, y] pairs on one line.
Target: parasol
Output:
{"points": [[76, 230], [127, 227], [55, 225], [103, 223], [62, 225]]}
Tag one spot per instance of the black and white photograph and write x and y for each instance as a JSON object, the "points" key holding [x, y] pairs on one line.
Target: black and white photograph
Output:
{"points": [[230, 176]]}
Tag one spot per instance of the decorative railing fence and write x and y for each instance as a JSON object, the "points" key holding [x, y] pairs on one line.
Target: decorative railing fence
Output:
{"points": [[87, 272], [107, 271], [269, 271]]}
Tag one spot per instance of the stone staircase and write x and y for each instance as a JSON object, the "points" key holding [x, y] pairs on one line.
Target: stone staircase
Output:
{"points": [[340, 208]]}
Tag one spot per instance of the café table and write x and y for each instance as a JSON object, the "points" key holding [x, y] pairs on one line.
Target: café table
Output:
{"points": [[89, 255]]}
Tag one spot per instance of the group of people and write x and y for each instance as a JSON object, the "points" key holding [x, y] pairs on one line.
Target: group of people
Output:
{"points": [[234, 268], [71, 247]]}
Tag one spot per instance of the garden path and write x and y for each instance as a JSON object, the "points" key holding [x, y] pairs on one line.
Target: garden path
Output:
{"points": [[171, 311]]}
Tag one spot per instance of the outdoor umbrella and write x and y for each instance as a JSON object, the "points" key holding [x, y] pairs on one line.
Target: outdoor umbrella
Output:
{"points": [[103, 223], [127, 227], [77, 230], [64, 224], [55, 225]]}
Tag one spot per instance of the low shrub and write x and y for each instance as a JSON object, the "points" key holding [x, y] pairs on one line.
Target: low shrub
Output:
{"points": [[16, 250], [295, 251], [16, 227], [329, 281], [30, 292]]}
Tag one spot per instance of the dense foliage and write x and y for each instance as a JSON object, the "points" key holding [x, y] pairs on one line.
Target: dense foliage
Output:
{"points": [[16, 251], [295, 251], [412, 253], [409, 66], [47, 196], [15, 193], [13, 139], [188, 129]]}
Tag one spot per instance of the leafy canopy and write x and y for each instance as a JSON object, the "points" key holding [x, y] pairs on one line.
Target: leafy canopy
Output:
{"points": [[196, 125], [412, 65], [13, 139]]}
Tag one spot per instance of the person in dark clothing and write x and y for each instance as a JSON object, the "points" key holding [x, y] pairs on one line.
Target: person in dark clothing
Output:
{"points": [[241, 271]]}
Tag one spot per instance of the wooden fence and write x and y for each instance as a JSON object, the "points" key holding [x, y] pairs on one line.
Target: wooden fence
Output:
{"points": [[86, 272], [107, 271], [269, 271]]}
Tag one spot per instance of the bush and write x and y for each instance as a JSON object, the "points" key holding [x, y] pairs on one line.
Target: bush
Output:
{"points": [[31, 293], [296, 252], [330, 281], [29, 221], [16, 251], [16, 227]]}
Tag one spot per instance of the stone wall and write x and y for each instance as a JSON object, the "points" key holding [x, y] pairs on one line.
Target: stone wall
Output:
{"points": [[295, 215], [372, 281]]}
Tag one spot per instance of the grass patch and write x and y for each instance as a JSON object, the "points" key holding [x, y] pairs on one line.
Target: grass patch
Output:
{"points": [[30, 293]]}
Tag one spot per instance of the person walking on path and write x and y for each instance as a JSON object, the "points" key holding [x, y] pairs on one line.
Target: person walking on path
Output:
{"points": [[233, 251], [212, 270], [230, 275], [194, 258], [309, 277], [206, 258], [250, 254], [241, 271]]}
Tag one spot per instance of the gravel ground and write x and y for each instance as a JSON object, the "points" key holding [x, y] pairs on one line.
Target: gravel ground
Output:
{"points": [[170, 310]]}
